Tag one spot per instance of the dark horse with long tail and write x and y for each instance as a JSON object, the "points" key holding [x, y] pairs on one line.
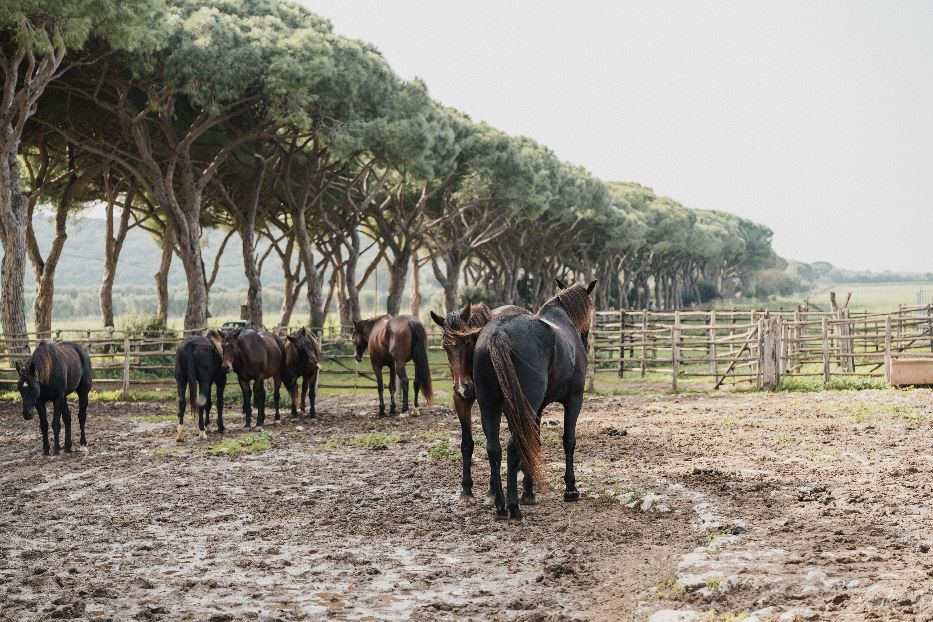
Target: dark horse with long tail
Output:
{"points": [[461, 329], [51, 374], [256, 355], [198, 365], [303, 359], [392, 342], [521, 364]]}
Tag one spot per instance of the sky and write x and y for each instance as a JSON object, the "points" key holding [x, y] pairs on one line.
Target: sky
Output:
{"points": [[815, 118]]}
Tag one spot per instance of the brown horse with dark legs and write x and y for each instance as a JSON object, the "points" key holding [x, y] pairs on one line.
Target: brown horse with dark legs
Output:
{"points": [[392, 342], [303, 360], [460, 330], [256, 355]]}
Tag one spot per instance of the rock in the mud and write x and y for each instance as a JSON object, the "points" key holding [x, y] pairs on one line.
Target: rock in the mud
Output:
{"points": [[613, 431], [672, 615]]}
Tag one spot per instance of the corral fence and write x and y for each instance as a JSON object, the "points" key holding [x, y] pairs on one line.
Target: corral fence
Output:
{"points": [[723, 347], [730, 348]]}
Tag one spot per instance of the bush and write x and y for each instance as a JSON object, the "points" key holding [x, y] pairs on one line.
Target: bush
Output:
{"points": [[477, 293]]}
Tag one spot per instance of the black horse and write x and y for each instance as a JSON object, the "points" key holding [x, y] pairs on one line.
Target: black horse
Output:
{"points": [[198, 365], [51, 374], [303, 360], [256, 355], [521, 364]]}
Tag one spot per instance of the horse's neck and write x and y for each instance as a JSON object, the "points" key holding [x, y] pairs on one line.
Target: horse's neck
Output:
{"points": [[555, 315]]}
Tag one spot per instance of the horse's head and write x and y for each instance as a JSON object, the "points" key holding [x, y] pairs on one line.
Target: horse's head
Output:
{"points": [[460, 331], [28, 385], [230, 348], [576, 301], [361, 330], [217, 338], [300, 341]]}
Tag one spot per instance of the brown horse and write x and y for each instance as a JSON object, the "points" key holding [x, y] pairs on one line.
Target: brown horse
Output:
{"points": [[256, 355], [460, 331], [303, 359], [392, 342]]}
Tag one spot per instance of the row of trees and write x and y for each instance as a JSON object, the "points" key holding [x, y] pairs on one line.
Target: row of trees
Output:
{"points": [[255, 118]]}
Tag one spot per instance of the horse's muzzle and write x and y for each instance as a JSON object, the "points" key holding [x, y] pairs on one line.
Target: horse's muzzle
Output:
{"points": [[465, 391], [27, 415], [359, 358], [225, 368]]}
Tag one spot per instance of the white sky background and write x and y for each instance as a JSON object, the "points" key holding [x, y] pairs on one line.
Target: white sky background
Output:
{"points": [[815, 118]]}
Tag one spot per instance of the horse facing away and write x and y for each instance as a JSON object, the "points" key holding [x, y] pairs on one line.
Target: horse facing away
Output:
{"points": [[256, 355], [303, 359], [392, 342], [51, 374], [521, 364], [198, 365], [461, 329]]}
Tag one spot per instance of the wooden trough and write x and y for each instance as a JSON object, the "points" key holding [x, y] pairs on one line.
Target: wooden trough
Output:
{"points": [[911, 371]]}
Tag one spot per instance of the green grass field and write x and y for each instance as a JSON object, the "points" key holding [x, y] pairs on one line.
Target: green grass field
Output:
{"points": [[878, 297]]}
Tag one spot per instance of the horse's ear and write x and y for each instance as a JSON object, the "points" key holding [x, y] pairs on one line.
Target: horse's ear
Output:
{"points": [[466, 313], [589, 289], [302, 331], [560, 284], [437, 319], [291, 338]]}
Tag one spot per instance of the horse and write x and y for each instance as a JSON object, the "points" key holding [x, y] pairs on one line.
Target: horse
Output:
{"points": [[392, 342], [51, 374], [520, 365], [461, 328], [303, 360], [256, 355], [198, 365]]}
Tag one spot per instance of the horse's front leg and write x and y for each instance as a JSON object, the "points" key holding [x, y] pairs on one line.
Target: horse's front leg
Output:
{"points": [[247, 399], [57, 424], [277, 394], [43, 426], [380, 388], [392, 387], [491, 418], [312, 391], [66, 417], [403, 383], [220, 404], [464, 410], [294, 395], [571, 412], [259, 401], [82, 414]]}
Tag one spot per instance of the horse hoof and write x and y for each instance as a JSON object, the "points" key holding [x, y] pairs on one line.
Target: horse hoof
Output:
{"points": [[502, 514], [220, 430], [572, 495], [180, 432], [56, 451], [202, 435], [466, 499], [67, 450], [517, 520], [45, 451], [529, 500]]}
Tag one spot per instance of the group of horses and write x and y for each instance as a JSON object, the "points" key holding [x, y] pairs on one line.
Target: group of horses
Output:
{"points": [[505, 359]]}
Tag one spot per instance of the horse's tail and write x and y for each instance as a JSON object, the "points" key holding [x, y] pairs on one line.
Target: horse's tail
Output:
{"points": [[288, 377], [523, 421], [419, 354], [196, 397]]}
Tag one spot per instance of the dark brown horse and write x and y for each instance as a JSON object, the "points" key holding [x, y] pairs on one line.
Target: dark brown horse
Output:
{"points": [[54, 371], [303, 359], [520, 365], [460, 331], [392, 342], [198, 365], [256, 355]]}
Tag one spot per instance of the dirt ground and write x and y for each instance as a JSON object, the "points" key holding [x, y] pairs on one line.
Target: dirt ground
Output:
{"points": [[695, 507]]}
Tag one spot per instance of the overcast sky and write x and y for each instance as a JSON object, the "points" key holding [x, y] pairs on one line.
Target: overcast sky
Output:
{"points": [[815, 118]]}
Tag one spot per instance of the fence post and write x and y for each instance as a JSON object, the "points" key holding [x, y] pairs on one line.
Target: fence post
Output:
{"points": [[644, 342], [714, 364], [126, 368], [621, 342], [930, 324], [887, 348], [825, 330], [675, 350]]}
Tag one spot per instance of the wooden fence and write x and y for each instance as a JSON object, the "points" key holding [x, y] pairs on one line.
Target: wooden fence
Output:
{"points": [[758, 347], [722, 347]]}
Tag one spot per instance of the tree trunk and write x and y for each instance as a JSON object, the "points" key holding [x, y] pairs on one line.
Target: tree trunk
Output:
{"points": [[291, 291], [452, 286], [415, 304], [398, 270], [251, 271], [315, 293], [113, 248], [45, 286], [189, 244], [13, 217], [161, 277]]}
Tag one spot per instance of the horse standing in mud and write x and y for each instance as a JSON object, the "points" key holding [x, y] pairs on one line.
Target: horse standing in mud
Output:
{"points": [[51, 374], [460, 332], [303, 359], [256, 355], [392, 342], [198, 365], [520, 365]]}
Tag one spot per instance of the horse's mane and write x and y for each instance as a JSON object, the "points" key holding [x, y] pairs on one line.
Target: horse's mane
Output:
{"points": [[578, 305], [455, 328], [41, 361]]}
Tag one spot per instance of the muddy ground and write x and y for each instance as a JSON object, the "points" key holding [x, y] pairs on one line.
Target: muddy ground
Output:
{"points": [[782, 506]]}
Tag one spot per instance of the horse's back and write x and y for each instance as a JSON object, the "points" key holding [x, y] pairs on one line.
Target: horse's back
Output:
{"points": [[77, 363], [400, 336], [530, 344]]}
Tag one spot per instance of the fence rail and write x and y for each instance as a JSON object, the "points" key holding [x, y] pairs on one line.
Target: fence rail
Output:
{"points": [[725, 347], [758, 347]]}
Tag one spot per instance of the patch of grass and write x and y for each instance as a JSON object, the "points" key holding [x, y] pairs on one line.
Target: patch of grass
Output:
{"points": [[433, 436], [728, 422], [443, 451], [811, 384], [714, 582], [253, 443], [731, 616], [552, 438], [783, 438], [373, 439]]}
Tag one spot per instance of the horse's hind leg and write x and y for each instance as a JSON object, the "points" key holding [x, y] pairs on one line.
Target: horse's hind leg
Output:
{"points": [[247, 397], [312, 392], [43, 426], [82, 413], [220, 405], [66, 418], [511, 480], [571, 412], [380, 388], [528, 487], [392, 390], [277, 394], [294, 395], [403, 383], [57, 424], [492, 417], [259, 401]]}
